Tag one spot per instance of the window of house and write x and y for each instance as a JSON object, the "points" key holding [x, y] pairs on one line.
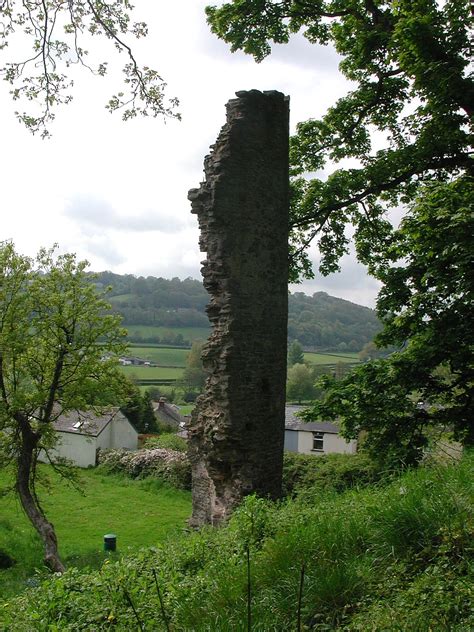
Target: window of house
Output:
{"points": [[318, 441]]}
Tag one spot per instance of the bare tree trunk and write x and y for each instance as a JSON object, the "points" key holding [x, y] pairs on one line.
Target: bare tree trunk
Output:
{"points": [[25, 466]]}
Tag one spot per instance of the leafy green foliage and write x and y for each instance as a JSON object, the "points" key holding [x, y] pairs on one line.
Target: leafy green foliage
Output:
{"points": [[426, 306], [138, 409], [325, 322], [57, 354], [300, 383], [53, 38], [408, 62], [194, 375], [305, 475], [376, 558], [295, 354]]}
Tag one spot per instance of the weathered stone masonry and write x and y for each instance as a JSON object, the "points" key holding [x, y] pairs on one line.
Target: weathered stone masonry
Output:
{"points": [[237, 429]]}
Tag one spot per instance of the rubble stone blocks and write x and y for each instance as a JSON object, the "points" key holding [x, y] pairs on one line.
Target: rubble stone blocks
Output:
{"points": [[236, 431]]}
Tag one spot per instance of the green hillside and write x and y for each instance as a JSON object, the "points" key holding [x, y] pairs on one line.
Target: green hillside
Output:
{"points": [[162, 311]]}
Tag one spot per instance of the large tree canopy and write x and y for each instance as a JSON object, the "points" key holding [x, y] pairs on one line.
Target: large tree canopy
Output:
{"points": [[49, 37], [427, 307], [56, 348], [409, 63]]}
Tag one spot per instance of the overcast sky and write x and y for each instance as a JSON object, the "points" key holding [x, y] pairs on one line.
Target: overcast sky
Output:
{"points": [[116, 193]]}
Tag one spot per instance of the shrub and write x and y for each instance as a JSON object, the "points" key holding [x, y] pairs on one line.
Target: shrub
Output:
{"points": [[168, 441], [168, 465], [308, 474], [162, 427]]}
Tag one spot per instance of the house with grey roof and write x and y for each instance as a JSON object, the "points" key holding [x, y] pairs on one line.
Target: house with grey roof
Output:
{"points": [[168, 414], [315, 437], [82, 433]]}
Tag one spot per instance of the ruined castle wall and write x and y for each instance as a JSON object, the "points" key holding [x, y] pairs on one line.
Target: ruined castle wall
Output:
{"points": [[237, 429]]}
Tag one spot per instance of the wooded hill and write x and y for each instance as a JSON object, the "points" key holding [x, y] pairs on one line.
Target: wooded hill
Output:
{"points": [[317, 322]]}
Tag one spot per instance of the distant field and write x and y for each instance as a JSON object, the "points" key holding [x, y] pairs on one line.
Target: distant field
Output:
{"points": [[153, 372], [331, 358], [81, 521], [172, 361], [188, 333], [165, 357]]}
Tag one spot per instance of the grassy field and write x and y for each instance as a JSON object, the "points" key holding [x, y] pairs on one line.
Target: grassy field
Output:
{"points": [[176, 357], [163, 357], [172, 362], [188, 333], [153, 372], [81, 521], [331, 358]]}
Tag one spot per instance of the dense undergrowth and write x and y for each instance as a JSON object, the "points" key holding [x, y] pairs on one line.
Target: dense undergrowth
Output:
{"points": [[396, 556]]}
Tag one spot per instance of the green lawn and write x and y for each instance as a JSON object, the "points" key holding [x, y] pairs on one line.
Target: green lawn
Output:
{"points": [[153, 372], [138, 513], [161, 356], [188, 333], [331, 358]]}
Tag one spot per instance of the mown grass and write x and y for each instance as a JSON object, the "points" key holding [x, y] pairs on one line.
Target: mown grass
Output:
{"points": [[153, 372], [168, 391], [331, 358], [140, 514], [392, 557], [166, 357]]}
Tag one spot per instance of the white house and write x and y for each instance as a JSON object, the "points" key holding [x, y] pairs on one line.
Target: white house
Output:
{"points": [[82, 433], [314, 437]]}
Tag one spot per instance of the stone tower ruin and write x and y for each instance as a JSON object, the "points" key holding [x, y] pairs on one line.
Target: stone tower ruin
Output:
{"points": [[237, 428]]}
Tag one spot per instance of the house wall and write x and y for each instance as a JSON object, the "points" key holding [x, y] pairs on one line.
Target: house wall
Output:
{"points": [[302, 441], [77, 448], [291, 440], [103, 440], [122, 433], [332, 444]]}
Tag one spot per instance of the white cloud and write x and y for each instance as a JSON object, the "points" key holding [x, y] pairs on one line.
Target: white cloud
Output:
{"points": [[116, 193], [91, 213]]}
